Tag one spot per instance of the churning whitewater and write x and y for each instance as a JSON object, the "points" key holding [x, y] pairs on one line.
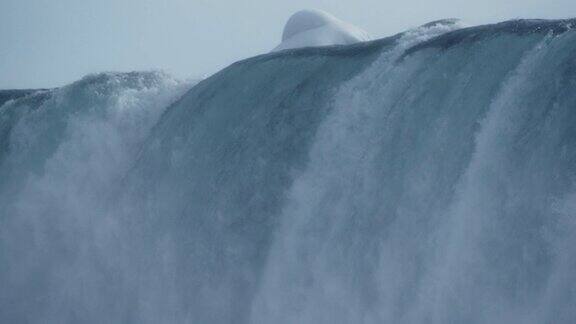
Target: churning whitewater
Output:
{"points": [[427, 177]]}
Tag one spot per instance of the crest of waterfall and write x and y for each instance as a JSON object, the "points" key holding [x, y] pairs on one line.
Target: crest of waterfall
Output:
{"points": [[427, 177]]}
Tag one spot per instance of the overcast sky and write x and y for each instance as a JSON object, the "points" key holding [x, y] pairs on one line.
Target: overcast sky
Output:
{"points": [[48, 43]]}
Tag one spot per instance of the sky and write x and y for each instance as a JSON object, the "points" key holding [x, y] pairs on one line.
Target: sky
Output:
{"points": [[50, 43]]}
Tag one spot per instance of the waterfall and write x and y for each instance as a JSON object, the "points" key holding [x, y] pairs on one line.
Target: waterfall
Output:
{"points": [[427, 177]]}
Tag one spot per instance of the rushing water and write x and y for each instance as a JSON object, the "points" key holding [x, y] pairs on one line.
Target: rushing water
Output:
{"points": [[424, 178]]}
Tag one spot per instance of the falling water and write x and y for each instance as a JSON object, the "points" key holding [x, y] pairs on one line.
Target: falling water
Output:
{"points": [[427, 177]]}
